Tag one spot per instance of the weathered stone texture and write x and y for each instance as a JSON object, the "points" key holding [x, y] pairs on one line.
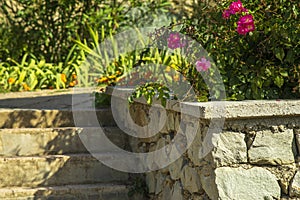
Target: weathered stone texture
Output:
{"points": [[295, 186], [230, 148], [150, 182], [239, 183], [297, 136], [175, 169], [190, 179], [251, 157], [177, 192], [272, 148]]}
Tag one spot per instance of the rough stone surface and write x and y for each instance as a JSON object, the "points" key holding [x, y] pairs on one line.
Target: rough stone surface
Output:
{"points": [[35, 131], [193, 151], [268, 128], [175, 169], [45, 99], [150, 181], [239, 183], [272, 148], [284, 175], [160, 179], [230, 148], [196, 196], [207, 179], [84, 192], [32, 118], [297, 136], [177, 191], [295, 186], [56, 170], [166, 193], [190, 179], [15, 142]]}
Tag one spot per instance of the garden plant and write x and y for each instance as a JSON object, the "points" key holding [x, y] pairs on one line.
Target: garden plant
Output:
{"points": [[254, 44]]}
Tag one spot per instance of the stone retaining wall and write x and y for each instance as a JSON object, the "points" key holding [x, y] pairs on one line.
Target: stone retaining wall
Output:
{"points": [[254, 156]]}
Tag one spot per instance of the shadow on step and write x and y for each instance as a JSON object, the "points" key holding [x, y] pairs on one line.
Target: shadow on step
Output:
{"points": [[56, 165]]}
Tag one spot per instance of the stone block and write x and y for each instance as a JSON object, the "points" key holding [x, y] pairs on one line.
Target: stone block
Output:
{"points": [[190, 179], [150, 181], [297, 137], [175, 169], [177, 191], [237, 183], [272, 148], [295, 186], [230, 148]]}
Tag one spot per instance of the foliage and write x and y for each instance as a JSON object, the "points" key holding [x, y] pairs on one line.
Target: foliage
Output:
{"points": [[31, 74], [150, 91], [43, 28], [264, 64], [37, 46], [38, 39], [98, 67], [261, 62], [46, 28]]}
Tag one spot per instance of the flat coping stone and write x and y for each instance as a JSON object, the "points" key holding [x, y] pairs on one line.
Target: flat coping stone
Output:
{"points": [[45, 99], [224, 109], [64, 99]]}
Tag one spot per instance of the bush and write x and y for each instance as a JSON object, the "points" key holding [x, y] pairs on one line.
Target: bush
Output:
{"points": [[264, 64], [42, 28], [257, 60], [37, 46], [46, 28]]}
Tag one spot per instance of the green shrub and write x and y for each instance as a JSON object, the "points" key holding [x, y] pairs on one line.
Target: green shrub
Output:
{"points": [[132, 15], [262, 65], [46, 28]]}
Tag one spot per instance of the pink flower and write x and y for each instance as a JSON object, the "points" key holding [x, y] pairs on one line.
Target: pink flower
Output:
{"points": [[236, 7], [245, 10], [247, 19], [203, 65], [174, 41], [245, 24], [250, 27], [226, 14], [242, 30]]}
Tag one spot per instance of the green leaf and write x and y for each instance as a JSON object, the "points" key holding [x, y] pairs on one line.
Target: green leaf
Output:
{"points": [[163, 102], [284, 74], [138, 94], [279, 81], [290, 57], [149, 99], [279, 53]]}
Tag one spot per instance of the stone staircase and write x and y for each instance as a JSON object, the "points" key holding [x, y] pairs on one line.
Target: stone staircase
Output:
{"points": [[42, 156]]}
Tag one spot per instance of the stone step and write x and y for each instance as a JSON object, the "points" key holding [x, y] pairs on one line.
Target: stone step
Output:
{"points": [[50, 141], [70, 192], [57, 170], [37, 118]]}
